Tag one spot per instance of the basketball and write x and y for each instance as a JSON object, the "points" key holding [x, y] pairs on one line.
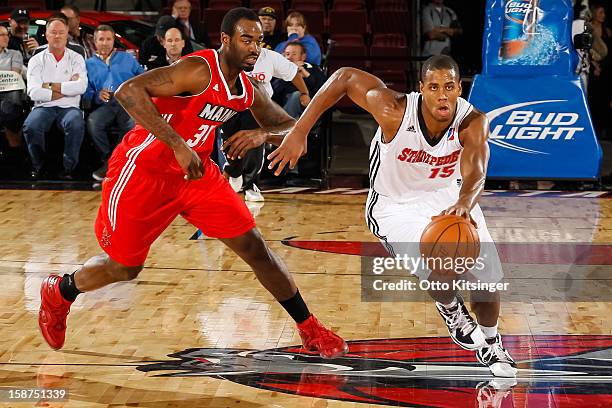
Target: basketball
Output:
{"points": [[450, 237]]}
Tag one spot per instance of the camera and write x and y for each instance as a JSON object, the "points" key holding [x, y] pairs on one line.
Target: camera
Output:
{"points": [[584, 41]]}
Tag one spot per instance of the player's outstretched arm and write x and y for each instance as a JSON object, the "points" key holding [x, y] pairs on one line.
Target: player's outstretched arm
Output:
{"points": [[366, 90], [474, 160], [190, 75], [274, 121]]}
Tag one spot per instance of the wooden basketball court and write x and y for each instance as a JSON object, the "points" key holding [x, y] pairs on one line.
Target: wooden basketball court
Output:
{"points": [[199, 303]]}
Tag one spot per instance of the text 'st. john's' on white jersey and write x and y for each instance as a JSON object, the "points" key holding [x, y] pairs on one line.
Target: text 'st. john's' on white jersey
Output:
{"points": [[411, 164]]}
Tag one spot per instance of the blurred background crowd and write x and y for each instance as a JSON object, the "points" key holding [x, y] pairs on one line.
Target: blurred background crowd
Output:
{"points": [[60, 67]]}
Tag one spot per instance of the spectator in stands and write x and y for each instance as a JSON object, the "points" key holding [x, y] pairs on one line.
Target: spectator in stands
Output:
{"points": [[174, 44], [272, 36], [152, 51], [19, 39], [579, 27], [11, 101], [440, 25], [74, 34], [106, 71], [56, 80], [193, 28], [243, 173], [601, 74], [297, 30], [285, 92]]}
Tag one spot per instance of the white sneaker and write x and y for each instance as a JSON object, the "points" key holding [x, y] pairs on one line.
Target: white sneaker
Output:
{"points": [[497, 358], [253, 194], [236, 183], [462, 328]]}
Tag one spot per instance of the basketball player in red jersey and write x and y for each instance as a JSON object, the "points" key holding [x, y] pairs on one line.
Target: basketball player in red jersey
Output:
{"points": [[428, 157], [162, 169]]}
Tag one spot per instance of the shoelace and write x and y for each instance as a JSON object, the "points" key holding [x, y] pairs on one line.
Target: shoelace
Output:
{"points": [[496, 350], [459, 320]]}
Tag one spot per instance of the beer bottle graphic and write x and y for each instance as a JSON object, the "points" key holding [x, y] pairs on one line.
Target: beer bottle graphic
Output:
{"points": [[519, 28]]}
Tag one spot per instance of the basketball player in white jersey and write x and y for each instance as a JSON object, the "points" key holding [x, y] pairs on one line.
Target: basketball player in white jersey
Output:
{"points": [[429, 157]]}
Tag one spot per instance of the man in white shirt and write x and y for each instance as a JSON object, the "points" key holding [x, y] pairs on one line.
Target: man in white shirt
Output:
{"points": [[243, 171], [57, 78]]}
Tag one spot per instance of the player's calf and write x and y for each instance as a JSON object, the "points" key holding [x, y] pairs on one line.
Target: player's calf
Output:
{"points": [[273, 274], [57, 293], [102, 270]]}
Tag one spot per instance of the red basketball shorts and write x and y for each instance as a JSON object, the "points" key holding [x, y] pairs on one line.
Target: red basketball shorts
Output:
{"points": [[137, 206]]}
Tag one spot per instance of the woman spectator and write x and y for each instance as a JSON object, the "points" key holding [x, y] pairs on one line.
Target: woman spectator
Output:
{"points": [[599, 100], [297, 30]]}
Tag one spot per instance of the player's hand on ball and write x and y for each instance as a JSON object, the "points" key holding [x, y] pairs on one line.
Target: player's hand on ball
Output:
{"points": [[242, 141], [293, 147], [461, 210], [190, 162]]}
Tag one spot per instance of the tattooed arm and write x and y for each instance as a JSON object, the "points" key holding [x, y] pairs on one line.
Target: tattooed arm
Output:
{"points": [[274, 121], [190, 75]]}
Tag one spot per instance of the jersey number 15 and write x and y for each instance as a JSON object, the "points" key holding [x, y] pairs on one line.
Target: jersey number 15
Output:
{"points": [[443, 172]]}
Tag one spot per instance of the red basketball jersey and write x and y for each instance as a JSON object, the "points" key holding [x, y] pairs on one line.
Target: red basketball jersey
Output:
{"points": [[194, 117]]}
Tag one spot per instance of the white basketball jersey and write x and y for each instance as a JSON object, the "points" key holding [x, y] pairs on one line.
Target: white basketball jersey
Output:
{"points": [[411, 164]]}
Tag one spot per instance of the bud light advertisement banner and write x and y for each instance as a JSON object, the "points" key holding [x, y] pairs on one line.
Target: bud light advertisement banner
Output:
{"points": [[538, 128], [528, 37], [540, 125]]}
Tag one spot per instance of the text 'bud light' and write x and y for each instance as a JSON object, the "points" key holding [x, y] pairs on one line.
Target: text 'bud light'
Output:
{"points": [[520, 23]]}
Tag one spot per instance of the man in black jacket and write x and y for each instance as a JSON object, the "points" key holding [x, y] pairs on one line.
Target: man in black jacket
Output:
{"points": [[152, 51], [19, 38], [194, 30], [272, 36]]}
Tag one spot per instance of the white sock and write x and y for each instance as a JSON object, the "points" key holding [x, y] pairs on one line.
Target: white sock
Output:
{"points": [[451, 304], [489, 332]]}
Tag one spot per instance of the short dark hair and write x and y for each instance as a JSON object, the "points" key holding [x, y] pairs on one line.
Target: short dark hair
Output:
{"points": [[296, 44], [57, 17], [439, 62], [72, 7], [231, 18], [104, 27]]}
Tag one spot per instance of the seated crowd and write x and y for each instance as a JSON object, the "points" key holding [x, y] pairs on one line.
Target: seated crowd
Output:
{"points": [[66, 86]]}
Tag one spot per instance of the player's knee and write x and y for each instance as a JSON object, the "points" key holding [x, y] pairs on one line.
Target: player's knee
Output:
{"points": [[253, 247]]}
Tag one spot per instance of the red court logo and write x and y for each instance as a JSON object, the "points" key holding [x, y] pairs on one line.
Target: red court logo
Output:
{"points": [[554, 371]]}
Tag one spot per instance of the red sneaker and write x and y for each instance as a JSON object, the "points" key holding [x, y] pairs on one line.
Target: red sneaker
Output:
{"points": [[53, 312], [317, 337]]}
